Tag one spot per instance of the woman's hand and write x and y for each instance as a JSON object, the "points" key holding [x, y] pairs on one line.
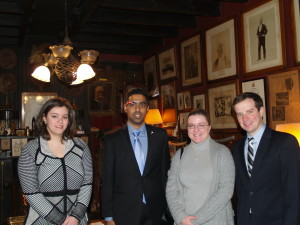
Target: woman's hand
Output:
{"points": [[188, 220], [70, 220], [111, 222]]}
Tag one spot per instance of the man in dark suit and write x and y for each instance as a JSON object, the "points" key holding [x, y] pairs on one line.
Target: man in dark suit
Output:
{"points": [[135, 168], [267, 168], [261, 35]]}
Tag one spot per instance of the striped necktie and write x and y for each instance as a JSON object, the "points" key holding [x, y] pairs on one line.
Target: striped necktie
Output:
{"points": [[250, 155]]}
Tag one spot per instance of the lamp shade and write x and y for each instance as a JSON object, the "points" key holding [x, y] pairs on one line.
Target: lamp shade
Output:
{"points": [[169, 116], [291, 128], [153, 117], [41, 73], [85, 72]]}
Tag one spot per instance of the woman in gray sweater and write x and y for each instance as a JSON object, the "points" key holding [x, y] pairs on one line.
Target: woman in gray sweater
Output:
{"points": [[201, 180]]}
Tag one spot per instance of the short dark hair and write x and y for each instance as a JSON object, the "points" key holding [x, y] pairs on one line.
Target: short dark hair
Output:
{"points": [[40, 128], [137, 91], [241, 97], [200, 112]]}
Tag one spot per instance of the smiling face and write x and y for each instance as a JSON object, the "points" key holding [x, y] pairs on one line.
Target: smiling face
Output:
{"points": [[57, 121], [136, 108], [248, 116], [198, 128]]}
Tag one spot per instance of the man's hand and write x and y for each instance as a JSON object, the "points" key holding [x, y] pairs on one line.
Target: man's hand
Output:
{"points": [[111, 222], [188, 220], [70, 220]]}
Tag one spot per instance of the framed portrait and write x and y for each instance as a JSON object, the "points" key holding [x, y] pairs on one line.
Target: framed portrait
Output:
{"points": [[191, 61], [5, 144], [221, 51], [296, 10], [17, 145], [180, 103], [284, 98], [32, 102], [220, 100], [183, 117], [258, 87], [199, 101], [168, 98], [187, 100], [150, 74], [167, 64], [100, 97], [263, 39]]}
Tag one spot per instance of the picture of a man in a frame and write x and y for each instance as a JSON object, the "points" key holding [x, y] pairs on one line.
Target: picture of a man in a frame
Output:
{"points": [[191, 61]]}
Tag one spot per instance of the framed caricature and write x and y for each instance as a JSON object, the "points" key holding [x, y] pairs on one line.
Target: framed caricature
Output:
{"points": [[199, 101], [221, 51], [263, 39], [180, 102], [258, 87], [168, 98], [220, 100], [191, 61], [187, 100], [167, 64], [150, 75]]}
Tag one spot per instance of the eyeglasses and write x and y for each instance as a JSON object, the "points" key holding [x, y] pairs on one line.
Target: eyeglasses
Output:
{"points": [[199, 126], [134, 104]]}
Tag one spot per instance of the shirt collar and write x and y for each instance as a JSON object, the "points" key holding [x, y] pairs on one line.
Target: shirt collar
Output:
{"points": [[257, 136], [143, 129]]}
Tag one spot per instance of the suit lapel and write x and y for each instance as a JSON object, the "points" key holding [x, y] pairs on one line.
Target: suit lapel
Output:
{"points": [[263, 147], [128, 148], [244, 174], [150, 137]]}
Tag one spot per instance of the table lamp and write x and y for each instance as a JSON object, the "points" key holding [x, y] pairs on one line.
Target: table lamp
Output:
{"points": [[153, 117], [291, 128]]}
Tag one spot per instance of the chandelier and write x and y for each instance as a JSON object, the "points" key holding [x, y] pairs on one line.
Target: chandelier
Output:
{"points": [[64, 64]]}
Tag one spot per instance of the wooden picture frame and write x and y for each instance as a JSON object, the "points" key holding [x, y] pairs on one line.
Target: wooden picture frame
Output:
{"points": [[187, 99], [284, 98], [100, 98], [180, 101], [263, 29], [150, 75], [20, 132], [191, 61], [168, 93], [296, 24], [220, 101], [17, 146], [183, 117], [167, 64], [257, 86], [199, 101], [5, 144], [32, 102], [221, 51]]}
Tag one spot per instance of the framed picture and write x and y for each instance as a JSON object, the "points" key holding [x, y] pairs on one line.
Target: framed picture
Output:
{"points": [[168, 96], [221, 51], [263, 40], [100, 97], [32, 102], [150, 74], [180, 103], [187, 100], [284, 98], [296, 10], [183, 117], [20, 132], [258, 87], [17, 145], [167, 64], [191, 61], [220, 100], [5, 144], [199, 101]]}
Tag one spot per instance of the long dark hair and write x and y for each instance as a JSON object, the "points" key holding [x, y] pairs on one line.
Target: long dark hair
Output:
{"points": [[40, 128]]}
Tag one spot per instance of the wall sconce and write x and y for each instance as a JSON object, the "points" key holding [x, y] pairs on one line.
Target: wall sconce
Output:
{"points": [[291, 128], [169, 117], [153, 117]]}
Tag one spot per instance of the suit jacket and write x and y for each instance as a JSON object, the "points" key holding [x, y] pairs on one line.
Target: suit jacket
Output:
{"points": [[123, 185], [272, 192]]}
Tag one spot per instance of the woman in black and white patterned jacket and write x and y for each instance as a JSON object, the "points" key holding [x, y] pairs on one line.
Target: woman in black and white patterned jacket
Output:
{"points": [[55, 169]]}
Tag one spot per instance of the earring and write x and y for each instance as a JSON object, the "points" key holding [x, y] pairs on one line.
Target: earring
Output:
{"points": [[45, 121]]}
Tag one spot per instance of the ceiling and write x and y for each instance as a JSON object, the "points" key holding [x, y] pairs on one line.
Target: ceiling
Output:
{"points": [[128, 27]]}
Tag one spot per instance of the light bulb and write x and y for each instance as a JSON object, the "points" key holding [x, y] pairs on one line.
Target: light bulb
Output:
{"points": [[85, 72]]}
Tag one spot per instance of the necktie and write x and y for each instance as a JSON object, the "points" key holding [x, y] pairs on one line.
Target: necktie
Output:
{"points": [[250, 155], [138, 151]]}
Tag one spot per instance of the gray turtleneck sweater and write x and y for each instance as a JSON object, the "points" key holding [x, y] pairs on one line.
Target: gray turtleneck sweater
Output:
{"points": [[201, 184]]}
